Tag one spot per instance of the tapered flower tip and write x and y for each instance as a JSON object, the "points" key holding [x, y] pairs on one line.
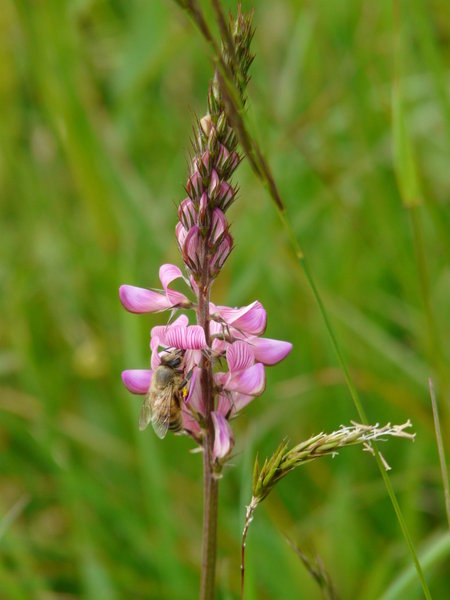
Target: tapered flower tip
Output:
{"points": [[139, 300], [223, 438], [137, 381], [250, 382], [250, 319], [270, 352]]}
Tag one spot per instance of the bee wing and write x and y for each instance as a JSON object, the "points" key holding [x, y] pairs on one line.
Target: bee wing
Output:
{"points": [[146, 411], [161, 412]]}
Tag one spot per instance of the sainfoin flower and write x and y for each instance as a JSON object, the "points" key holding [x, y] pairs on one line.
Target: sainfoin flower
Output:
{"points": [[208, 367], [235, 335]]}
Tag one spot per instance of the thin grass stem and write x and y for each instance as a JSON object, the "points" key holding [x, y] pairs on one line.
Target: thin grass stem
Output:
{"points": [[440, 445]]}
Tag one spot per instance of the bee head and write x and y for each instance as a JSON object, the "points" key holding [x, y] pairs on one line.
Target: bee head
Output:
{"points": [[172, 359]]}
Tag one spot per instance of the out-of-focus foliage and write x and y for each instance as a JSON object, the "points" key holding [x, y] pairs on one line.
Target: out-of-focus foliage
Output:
{"points": [[97, 99]]}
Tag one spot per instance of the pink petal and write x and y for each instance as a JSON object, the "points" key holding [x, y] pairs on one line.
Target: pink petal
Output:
{"points": [[270, 352], [155, 360], [160, 331], [167, 274], [239, 356], [223, 437], [139, 300], [192, 359], [182, 337], [137, 381], [195, 397], [230, 403], [189, 422], [250, 382], [251, 319]]}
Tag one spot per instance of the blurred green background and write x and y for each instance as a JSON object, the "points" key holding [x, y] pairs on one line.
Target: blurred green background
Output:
{"points": [[97, 100]]}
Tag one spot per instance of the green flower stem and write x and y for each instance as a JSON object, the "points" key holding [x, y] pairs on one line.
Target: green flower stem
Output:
{"points": [[210, 483]]}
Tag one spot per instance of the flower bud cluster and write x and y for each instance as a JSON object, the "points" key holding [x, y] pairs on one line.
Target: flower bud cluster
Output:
{"points": [[202, 226]]}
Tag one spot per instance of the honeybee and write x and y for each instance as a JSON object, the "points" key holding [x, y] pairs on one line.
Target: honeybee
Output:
{"points": [[162, 404]]}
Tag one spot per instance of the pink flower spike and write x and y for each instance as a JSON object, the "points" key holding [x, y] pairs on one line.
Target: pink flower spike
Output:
{"points": [[251, 319], [223, 438], [270, 352], [137, 381], [239, 356], [250, 382], [139, 300]]}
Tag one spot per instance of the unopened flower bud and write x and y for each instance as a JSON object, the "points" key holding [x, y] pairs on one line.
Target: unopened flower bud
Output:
{"points": [[214, 186], [191, 249], [203, 213], [221, 254], [206, 124], [223, 438], [187, 213], [194, 186], [225, 196]]}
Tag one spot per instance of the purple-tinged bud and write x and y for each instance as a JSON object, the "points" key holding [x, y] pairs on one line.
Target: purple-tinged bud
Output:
{"points": [[203, 164], [191, 249], [225, 196], [203, 213], [180, 234], [187, 213], [194, 186], [223, 438], [222, 156], [214, 186], [218, 225], [230, 164], [206, 160], [221, 255]]}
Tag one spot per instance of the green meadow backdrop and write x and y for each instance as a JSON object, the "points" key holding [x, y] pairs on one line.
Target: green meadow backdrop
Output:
{"points": [[350, 104]]}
